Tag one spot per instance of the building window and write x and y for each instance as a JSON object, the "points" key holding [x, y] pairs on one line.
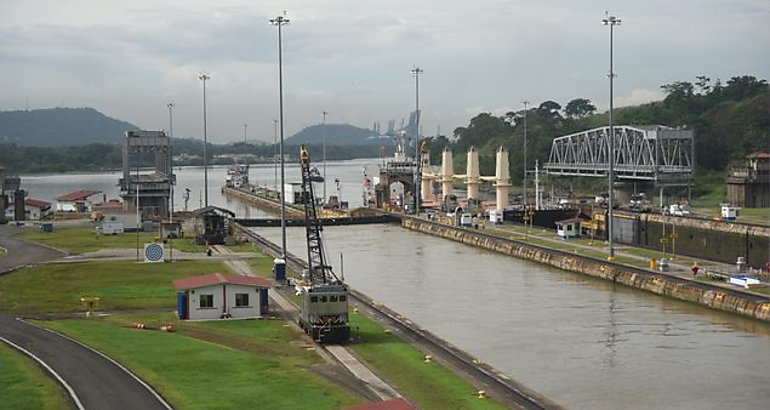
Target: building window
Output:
{"points": [[206, 301], [241, 299]]}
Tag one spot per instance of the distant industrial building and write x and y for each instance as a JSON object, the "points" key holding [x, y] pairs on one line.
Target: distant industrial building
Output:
{"points": [[748, 184], [151, 190]]}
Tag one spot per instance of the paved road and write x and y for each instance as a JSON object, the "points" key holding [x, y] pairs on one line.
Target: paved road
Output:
{"points": [[21, 253], [98, 383]]}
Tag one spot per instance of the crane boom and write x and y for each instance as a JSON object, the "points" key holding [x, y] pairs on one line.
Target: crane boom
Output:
{"points": [[319, 271], [324, 314]]}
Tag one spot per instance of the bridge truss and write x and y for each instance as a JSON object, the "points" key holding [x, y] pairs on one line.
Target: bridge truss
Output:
{"points": [[657, 154]]}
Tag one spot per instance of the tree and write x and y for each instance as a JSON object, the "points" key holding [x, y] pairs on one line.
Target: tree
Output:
{"points": [[579, 108], [745, 86], [549, 109], [678, 91]]}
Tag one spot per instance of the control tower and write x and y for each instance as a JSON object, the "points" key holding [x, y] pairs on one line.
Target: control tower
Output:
{"points": [[143, 149]]}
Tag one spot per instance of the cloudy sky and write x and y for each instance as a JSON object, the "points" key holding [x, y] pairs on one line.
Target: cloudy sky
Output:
{"points": [[352, 58]]}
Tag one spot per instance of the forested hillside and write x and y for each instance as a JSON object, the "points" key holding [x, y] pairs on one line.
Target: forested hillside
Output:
{"points": [[334, 134], [730, 120], [59, 127]]}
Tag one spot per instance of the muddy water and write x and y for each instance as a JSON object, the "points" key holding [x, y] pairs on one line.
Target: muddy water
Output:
{"points": [[585, 343]]}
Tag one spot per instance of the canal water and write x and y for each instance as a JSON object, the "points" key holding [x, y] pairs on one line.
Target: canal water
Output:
{"points": [[584, 343], [349, 173]]}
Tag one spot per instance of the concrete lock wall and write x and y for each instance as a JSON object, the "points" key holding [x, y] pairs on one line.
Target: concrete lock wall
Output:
{"points": [[701, 239], [704, 294]]}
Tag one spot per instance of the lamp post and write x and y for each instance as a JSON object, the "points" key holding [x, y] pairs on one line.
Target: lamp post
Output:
{"points": [[171, 180], [610, 21], [205, 77], [279, 21], [275, 156], [170, 107], [524, 182], [416, 71], [324, 113]]}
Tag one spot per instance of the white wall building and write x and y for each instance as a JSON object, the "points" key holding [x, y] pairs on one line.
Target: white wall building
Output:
{"points": [[34, 209], [220, 296]]}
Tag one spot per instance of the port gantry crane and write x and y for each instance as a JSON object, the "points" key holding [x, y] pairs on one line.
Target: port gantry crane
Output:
{"points": [[324, 313]]}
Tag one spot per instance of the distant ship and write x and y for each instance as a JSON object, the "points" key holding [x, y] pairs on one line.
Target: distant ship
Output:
{"points": [[237, 176]]}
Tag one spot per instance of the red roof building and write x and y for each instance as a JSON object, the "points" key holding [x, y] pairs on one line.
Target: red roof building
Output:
{"points": [[220, 296], [221, 278], [37, 203], [81, 195], [77, 201]]}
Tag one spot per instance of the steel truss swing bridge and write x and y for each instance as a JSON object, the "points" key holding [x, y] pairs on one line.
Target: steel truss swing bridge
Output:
{"points": [[654, 154]]}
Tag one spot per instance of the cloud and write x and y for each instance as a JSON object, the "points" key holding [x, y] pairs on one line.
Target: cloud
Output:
{"points": [[353, 58], [639, 96]]}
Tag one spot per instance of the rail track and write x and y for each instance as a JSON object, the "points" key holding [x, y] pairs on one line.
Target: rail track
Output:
{"points": [[494, 383]]}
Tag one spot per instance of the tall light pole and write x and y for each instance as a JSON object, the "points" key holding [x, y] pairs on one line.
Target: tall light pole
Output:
{"points": [[275, 156], [279, 22], [610, 21], [244, 132], [416, 71], [170, 107], [171, 180], [323, 136], [524, 182], [205, 77]]}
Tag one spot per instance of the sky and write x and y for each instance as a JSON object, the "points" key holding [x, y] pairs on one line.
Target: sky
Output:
{"points": [[352, 58]]}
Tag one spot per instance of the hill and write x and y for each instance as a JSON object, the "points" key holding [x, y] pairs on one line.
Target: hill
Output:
{"points": [[730, 120], [58, 127], [334, 134]]}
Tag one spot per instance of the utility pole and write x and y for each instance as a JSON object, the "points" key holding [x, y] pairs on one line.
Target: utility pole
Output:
{"points": [[610, 21], [244, 132]]}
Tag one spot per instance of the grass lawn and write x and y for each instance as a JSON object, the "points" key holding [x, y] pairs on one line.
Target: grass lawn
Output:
{"points": [[759, 216], [244, 364], [428, 385], [26, 386], [84, 239], [120, 285]]}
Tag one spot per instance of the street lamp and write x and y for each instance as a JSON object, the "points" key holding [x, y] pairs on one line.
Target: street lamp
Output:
{"points": [[323, 134], [416, 71], [524, 182], [205, 77], [279, 22], [610, 21]]}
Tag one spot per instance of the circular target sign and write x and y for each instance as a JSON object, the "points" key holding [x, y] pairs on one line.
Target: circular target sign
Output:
{"points": [[153, 252]]}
